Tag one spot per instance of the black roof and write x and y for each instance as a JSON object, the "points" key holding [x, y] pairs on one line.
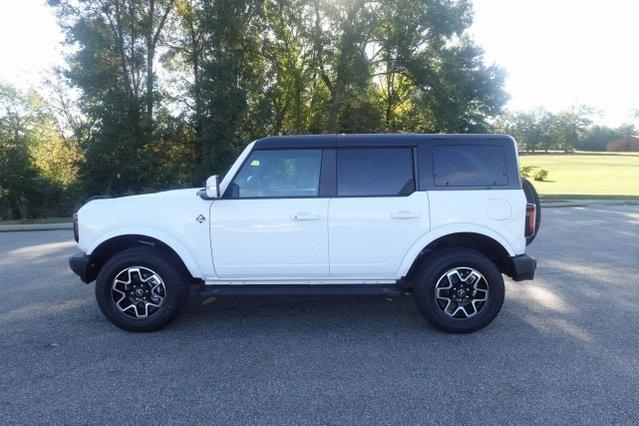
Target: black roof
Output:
{"points": [[371, 139]]}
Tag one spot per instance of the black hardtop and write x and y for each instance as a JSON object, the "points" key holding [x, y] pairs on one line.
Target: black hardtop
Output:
{"points": [[372, 139]]}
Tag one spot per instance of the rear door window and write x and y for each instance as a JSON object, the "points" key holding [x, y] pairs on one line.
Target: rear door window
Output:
{"points": [[469, 166], [363, 172]]}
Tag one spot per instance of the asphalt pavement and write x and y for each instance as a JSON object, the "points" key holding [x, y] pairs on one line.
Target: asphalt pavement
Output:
{"points": [[564, 349]]}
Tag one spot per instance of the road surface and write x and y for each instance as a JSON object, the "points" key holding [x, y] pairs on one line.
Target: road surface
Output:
{"points": [[565, 348]]}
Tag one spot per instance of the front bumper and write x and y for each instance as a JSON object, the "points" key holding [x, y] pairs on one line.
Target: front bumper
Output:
{"points": [[83, 267], [522, 267]]}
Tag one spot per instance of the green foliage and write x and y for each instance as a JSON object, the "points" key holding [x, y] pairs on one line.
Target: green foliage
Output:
{"points": [[569, 126], [526, 171], [238, 70], [540, 174], [533, 172], [37, 166], [113, 67], [531, 129], [597, 138], [232, 71], [464, 93]]}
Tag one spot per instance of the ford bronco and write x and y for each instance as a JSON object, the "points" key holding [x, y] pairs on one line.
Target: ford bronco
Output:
{"points": [[441, 216]]}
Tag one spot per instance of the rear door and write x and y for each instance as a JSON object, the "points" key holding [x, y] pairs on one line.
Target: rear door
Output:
{"points": [[376, 214]]}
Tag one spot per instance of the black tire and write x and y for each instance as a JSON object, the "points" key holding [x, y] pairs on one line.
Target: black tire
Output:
{"points": [[439, 263], [171, 272], [532, 197]]}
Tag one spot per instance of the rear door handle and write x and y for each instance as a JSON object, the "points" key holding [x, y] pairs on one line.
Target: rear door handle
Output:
{"points": [[405, 214], [304, 216]]}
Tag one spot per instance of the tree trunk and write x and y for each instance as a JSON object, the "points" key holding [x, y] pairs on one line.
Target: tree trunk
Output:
{"points": [[150, 45], [152, 37], [198, 125], [336, 102], [149, 85], [389, 101]]}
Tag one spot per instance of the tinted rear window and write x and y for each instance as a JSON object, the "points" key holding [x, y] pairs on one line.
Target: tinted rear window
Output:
{"points": [[374, 171], [478, 165]]}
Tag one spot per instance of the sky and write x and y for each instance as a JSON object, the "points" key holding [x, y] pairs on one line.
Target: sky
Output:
{"points": [[557, 53]]}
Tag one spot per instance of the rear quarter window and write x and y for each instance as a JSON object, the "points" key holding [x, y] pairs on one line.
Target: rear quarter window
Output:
{"points": [[469, 166]]}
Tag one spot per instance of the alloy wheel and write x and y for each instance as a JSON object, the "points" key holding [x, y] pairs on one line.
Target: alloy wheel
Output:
{"points": [[138, 292], [461, 292]]}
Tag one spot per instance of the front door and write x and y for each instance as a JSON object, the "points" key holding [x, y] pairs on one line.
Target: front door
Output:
{"points": [[271, 222]]}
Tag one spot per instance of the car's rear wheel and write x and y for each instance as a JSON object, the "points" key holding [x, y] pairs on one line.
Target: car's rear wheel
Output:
{"points": [[141, 289], [459, 290]]}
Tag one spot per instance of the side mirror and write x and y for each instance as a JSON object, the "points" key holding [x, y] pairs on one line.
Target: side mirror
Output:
{"points": [[213, 187]]}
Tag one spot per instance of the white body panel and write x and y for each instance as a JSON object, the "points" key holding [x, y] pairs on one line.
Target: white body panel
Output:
{"points": [[166, 216], [497, 214], [369, 237], [270, 238], [304, 240]]}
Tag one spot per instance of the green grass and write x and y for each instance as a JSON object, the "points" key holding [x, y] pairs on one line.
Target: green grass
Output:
{"points": [[581, 176]]}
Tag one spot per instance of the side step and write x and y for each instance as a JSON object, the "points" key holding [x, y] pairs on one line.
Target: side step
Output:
{"points": [[388, 290]]}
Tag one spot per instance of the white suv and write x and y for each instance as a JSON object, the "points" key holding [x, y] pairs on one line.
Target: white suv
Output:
{"points": [[441, 216]]}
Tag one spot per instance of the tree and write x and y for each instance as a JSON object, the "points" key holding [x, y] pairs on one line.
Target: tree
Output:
{"points": [[342, 64], [183, 59], [288, 56], [410, 38], [38, 165], [237, 70], [597, 138], [531, 128], [627, 129], [17, 175], [464, 93], [113, 67], [569, 125], [232, 81]]}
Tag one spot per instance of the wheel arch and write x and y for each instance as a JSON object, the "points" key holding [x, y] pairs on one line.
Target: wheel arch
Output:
{"points": [[108, 246], [489, 244]]}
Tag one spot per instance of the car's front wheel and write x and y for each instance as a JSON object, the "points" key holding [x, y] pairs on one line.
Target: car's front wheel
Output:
{"points": [[459, 290], [141, 289]]}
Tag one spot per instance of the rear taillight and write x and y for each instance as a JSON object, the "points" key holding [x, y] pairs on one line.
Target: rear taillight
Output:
{"points": [[531, 219], [76, 231]]}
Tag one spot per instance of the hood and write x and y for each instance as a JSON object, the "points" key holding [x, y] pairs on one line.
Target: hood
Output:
{"points": [[131, 203], [166, 195]]}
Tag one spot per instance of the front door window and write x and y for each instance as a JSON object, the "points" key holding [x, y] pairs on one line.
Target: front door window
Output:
{"points": [[280, 173]]}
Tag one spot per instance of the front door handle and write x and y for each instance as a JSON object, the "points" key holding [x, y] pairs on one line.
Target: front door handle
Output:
{"points": [[304, 216], [405, 214]]}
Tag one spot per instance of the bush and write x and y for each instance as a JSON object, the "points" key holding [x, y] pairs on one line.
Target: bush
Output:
{"points": [[534, 172], [540, 175], [526, 171]]}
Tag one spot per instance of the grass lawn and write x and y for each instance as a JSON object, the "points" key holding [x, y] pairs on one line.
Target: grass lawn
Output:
{"points": [[597, 175]]}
